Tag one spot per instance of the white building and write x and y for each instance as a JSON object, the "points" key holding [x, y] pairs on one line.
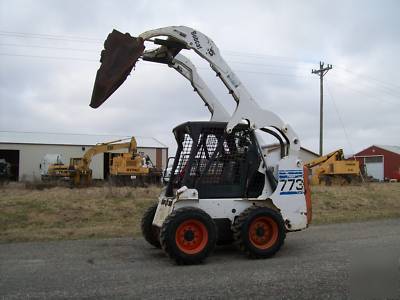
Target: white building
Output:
{"points": [[273, 155], [25, 151]]}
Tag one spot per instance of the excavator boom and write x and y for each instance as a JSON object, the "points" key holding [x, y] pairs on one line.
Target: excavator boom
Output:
{"points": [[104, 147], [312, 163]]}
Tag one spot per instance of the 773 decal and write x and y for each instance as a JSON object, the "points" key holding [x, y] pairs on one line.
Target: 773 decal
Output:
{"points": [[292, 182]]}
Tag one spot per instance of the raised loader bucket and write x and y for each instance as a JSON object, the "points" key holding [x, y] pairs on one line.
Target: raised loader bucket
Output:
{"points": [[121, 52]]}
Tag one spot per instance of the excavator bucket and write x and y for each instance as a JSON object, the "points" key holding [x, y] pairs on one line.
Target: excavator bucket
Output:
{"points": [[120, 54]]}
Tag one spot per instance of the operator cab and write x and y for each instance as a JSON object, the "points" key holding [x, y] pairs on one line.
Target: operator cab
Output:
{"points": [[217, 164]]}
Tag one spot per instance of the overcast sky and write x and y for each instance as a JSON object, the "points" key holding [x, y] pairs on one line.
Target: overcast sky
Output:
{"points": [[49, 52]]}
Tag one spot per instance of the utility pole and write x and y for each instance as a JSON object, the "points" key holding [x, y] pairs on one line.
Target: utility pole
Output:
{"points": [[321, 72]]}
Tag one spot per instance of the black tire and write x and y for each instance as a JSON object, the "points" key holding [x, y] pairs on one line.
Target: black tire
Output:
{"points": [[150, 232], [259, 232], [188, 235]]}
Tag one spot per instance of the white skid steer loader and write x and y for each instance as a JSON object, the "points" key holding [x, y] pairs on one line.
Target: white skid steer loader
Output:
{"points": [[221, 187]]}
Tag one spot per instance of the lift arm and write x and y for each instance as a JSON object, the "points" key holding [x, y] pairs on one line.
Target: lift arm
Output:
{"points": [[247, 109], [178, 38], [184, 66], [188, 70]]}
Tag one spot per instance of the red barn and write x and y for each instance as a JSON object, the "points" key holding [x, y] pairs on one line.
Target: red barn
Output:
{"points": [[380, 161]]}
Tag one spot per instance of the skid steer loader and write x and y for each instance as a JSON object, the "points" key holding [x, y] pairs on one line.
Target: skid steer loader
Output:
{"points": [[221, 188]]}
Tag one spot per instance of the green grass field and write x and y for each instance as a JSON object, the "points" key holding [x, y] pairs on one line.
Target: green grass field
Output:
{"points": [[28, 214]]}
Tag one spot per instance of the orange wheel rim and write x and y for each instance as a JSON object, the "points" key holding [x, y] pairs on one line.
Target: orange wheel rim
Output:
{"points": [[191, 236], [263, 232]]}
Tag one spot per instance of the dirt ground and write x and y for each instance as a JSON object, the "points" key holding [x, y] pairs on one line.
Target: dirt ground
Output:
{"points": [[30, 214]]}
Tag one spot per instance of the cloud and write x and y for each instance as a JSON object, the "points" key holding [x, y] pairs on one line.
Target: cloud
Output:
{"points": [[271, 45]]}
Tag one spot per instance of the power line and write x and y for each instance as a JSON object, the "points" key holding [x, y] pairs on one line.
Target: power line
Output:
{"points": [[96, 40], [378, 84], [370, 78], [388, 88], [74, 133], [365, 94], [93, 60], [265, 65], [344, 129], [48, 57], [48, 47], [14, 33], [340, 118], [264, 55], [244, 71], [226, 52], [95, 50], [268, 73], [371, 86], [391, 91], [44, 37]]}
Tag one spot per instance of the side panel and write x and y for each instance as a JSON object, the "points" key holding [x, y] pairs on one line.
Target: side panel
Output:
{"points": [[307, 192], [289, 195], [226, 208]]}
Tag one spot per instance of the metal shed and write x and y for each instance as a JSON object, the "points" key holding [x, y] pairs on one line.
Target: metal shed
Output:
{"points": [[25, 150], [273, 152], [382, 162]]}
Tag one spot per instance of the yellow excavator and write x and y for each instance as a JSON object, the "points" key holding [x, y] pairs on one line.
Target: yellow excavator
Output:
{"points": [[333, 168], [79, 169]]}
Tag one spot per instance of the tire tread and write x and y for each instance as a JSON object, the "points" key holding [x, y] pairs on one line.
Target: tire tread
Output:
{"points": [[243, 245], [167, 237], [147, 227]]}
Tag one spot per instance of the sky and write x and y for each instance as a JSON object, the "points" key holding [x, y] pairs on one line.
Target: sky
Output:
{"points": [[50, 50]]}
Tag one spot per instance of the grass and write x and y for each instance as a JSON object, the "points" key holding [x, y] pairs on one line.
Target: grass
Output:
{"points": [[31, 214], [333, 204], [28, 214]]}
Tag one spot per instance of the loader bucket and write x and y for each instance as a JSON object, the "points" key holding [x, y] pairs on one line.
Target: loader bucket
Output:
{"points": [[121, 52]]}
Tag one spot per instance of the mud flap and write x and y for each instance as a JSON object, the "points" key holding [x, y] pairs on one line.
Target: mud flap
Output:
{"points": [[120, 54]]}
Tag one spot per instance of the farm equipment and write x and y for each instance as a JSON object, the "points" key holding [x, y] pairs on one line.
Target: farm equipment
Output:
{"points": [[131, 167], [79, 168], [333, 168], [221, 188], [52, 168]]}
